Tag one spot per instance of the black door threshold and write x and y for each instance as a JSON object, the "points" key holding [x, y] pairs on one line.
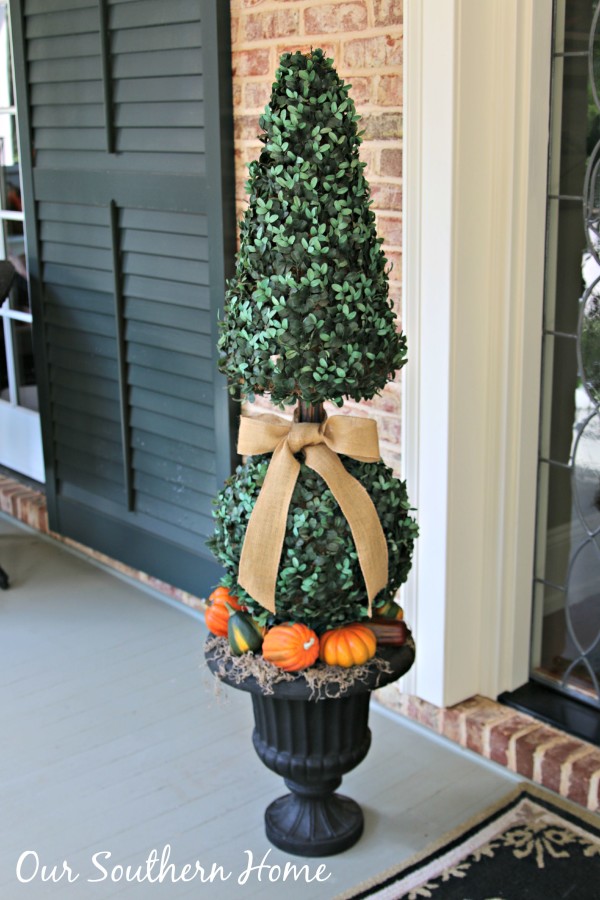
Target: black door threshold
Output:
{"points": [[555, 709]]}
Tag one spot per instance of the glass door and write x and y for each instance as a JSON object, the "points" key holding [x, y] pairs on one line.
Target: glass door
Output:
{"points": [[566, 645], [20, 432]]}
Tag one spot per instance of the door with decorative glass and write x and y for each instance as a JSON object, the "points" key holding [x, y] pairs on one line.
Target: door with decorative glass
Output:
{"points": [[20, 432], [566, 647]]}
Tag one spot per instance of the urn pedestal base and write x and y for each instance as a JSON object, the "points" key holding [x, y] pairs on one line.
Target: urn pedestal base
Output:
{"points": [[311, 743], [313, 824]]}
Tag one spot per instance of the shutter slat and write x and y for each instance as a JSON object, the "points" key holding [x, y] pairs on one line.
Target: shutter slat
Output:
{"points": [[79, 92], [168, 339], [175, 493], [73, 212], [182, 191], [169, 292], [169, 316], [68, 22], [91, 425], [91, 301], [180, 246], [174, 450], [161, 220], [80, 440], [48, 6], [100, 367], [90, 463], [88, 257], [87, 384], [68, 116], [185, 270], [166, 361], [163, 426], [113, 507], [60, 47], [68, 233], [150, 65], [167, 37], [152, 12], [159, 140], [159, 115], [78, 340], [174, 88], [100, 487], [72, 276], [182, 518], [171, 406], [172, 535], [171, 471], [84, 68], [173, 385], [70, 138], [92, 407], [128, 164]]}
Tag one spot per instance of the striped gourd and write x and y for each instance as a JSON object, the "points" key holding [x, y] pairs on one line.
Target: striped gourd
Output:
{"points": [[244, 634]]}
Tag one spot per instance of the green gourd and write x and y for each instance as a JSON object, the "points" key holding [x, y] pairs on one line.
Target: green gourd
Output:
{"points": [[389, 610], [243, 633]]}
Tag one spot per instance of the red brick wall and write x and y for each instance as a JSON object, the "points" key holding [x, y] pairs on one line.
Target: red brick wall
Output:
{"points": [[364, 37]]}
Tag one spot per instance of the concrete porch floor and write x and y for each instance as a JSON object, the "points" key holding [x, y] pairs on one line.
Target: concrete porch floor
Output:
{"points": [[112, 739]]}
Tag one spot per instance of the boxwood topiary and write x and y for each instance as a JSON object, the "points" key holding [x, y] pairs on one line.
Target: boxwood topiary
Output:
{"points": [[307, 314], [308, 319], [319, 581]]}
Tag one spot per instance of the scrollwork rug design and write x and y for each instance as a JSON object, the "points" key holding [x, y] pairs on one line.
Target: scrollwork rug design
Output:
{"points": [[530, 846]]}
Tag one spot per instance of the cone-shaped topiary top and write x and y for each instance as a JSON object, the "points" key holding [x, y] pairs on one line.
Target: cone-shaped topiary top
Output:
{"points": [[307, 315]]}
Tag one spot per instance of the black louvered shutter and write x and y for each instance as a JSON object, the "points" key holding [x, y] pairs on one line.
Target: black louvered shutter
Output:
{"points": [[129, 140]]}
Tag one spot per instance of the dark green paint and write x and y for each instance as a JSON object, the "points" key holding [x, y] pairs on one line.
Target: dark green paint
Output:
{"points": [[128, 254]]}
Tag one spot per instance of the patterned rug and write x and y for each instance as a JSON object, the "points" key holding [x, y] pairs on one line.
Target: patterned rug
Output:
{"points": [[531, 846]]}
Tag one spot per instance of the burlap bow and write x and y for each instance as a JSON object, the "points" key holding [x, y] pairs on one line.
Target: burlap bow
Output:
{"points": [[321, 443]]}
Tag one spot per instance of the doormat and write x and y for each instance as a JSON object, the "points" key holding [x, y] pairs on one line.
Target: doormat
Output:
{"points": [[530, 846]]}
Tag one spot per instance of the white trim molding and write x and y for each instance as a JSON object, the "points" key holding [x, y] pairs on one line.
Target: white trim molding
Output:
{"points": [[476, 114], [21, 441]]}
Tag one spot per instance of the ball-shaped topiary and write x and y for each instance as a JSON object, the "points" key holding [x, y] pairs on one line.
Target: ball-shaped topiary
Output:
{"points": [[307, 314], [319, 581]]}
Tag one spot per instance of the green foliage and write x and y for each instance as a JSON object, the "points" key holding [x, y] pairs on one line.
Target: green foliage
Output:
{"points": [[307, 314], [590, 351], [319, 581], [308, 317]]}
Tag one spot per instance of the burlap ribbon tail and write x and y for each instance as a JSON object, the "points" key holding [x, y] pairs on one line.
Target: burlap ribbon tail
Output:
{"points": [[321, 443]]}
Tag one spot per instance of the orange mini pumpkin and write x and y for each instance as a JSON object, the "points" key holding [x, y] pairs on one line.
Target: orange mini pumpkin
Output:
{"points": [[217, 614], [222, 594], [347, 646], [291, 646]]}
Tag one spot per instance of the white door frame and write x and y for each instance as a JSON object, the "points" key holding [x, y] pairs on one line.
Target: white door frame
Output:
{"points": [[20, 428], [476, 112]]}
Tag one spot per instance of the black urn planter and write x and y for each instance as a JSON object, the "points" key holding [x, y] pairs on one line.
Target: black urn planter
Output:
{"points": [[311, 741]]}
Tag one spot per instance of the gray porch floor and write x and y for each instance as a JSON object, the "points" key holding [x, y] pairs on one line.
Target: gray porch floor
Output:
{"points": [[112, 739]]}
